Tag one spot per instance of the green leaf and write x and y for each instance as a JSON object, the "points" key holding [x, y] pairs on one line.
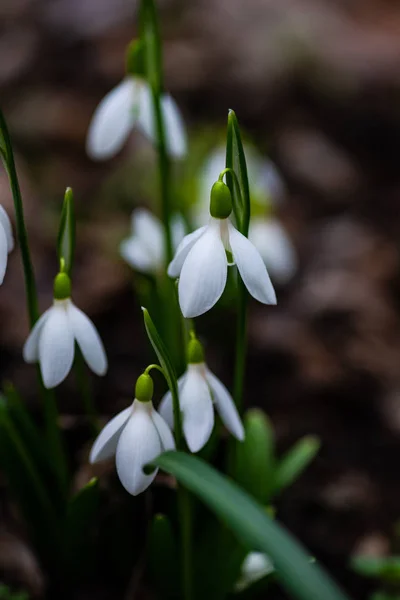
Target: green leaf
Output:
{"points": [[236, 160], [295, 461], [384, 567], [163, 558], [66, 232], [255, 456], [252, 525], [168, 369], [150, 37]]}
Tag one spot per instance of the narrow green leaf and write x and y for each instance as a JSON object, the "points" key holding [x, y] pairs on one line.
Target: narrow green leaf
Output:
{"points": [[253, 526], [384, 567], [163, 558], [236, 160], [255, 456], [66, 232], [295, 461], [150, 37]]}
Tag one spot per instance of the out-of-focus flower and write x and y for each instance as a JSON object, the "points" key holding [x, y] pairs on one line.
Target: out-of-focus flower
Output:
{"points": [[199, 389], [135, 437], [52, 339], [129, 105], [255, 566], [275, 247], [6, 241], [144, 249], [201, 261]]}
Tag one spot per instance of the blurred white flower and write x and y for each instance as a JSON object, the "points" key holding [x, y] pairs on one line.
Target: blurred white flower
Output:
{"points": [[275, 247], [135, 436], [201, 264], [199, 388], [144, 248], [129, 105], [255, 566], [52, 342], [6, 241]]}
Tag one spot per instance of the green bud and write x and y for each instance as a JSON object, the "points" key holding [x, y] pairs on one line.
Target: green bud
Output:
{"points": [[195, 353], [144, 388], [135, 59], [62, 287], [220, 201]]}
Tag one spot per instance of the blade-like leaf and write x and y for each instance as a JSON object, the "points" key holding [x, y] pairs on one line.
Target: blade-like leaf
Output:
{"points": [[66, 232], [163, 558], [253, 526], [236, 160], [150, 37], [295, 461], [384, 567]]}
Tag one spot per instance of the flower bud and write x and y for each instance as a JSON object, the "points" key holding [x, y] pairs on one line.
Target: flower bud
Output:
{"points": [[135, 60], [62, 287], [220, 201], [195, 353], [144, 388]]}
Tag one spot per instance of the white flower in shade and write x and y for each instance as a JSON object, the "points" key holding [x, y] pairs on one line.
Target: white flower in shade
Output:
{"points": [[144, 248], [275, 247], [52, 339], [135, 437], [129, 105], [199, 391], [6, 241], [201, 261], [255, 566]]}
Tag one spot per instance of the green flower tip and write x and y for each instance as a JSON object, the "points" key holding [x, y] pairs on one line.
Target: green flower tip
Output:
{"points": [[135, 59], [195, 352], [220, 201], [62, 287], [144, 388]]}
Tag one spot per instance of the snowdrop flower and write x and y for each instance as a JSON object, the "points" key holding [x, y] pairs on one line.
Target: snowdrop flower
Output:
{"points": [[6, 241], [52, 339], [201, 261], [130, 105], [199, 389], [144, 248], [255, 566], [135, 436], [275, 248]]}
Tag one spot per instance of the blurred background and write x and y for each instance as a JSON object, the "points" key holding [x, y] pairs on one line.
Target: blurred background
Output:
{"points": [[316, 87]]}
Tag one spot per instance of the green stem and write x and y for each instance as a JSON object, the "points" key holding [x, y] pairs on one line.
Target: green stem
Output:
{"points": [[86, 393], [241, 346], [186, 538]]}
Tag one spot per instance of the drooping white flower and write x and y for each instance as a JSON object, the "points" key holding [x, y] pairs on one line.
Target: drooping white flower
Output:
{"points": [[52, 339], [129, 105], [135, 436], [144, 248], [6, 241], [199, 390], [275, 247], [201, 262], [255, 566]]}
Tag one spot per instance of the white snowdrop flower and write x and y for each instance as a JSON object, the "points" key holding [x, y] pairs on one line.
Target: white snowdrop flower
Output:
{"points": [[144, 248], [52, 339], [135, 437], [201, 261], [275, 247], [129, 105], [199, 390], [255, 566], [6, 241]]}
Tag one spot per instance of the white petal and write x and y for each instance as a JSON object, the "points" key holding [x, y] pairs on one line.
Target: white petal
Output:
{"points": [[197, 408], [275, 247], [166, 408], [112, 121], [251, 267], [31, 346], [6, 223], [183, 250], [268, 182], [225, 406], [166, 437], [175, 130], [88, 339], [204, 272], [145, 114], [138, 445], [106, 442], [56, 346], [137, 255], [148, 229], [3, 253], [255, 566], [178, 229]]}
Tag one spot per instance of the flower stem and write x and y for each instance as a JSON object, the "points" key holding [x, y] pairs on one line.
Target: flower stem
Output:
{"points": [[50, 407], [241, 346], [186, 537]]}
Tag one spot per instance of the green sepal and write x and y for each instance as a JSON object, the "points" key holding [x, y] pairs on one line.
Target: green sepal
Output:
{"points": [[164, 561], [144, 388], [239, 185], [220, 201], [295, 461], [66, 232]]}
